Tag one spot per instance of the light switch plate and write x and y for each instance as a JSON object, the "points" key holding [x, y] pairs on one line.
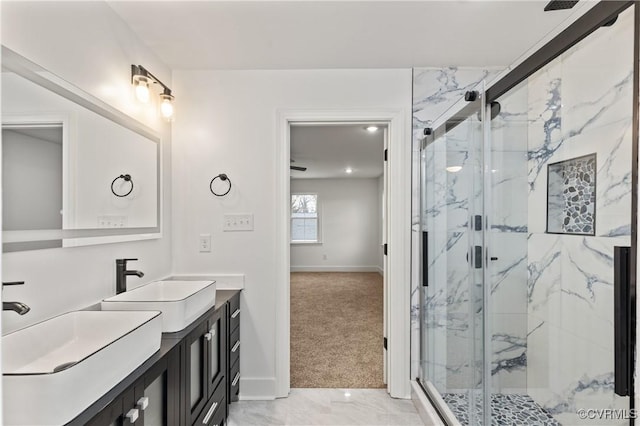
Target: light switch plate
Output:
{"points": [[204, 243], [238, 222]]}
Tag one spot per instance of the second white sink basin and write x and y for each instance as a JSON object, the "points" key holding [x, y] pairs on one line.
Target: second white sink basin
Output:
{"points": [[181, 302], [54, 370]]}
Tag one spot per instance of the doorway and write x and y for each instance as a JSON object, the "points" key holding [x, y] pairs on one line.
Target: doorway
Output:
{"points": [[397, 268], [337, 263]]}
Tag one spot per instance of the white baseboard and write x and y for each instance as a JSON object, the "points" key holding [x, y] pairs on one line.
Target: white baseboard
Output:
{"points": [[334, 268], [257, 389], [380, 270]]}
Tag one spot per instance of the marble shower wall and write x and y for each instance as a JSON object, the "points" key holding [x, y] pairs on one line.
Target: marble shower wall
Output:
{"points": [[434, 92], [508, 245], [579, 104]]}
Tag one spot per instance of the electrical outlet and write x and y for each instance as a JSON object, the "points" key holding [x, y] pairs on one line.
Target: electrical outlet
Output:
{"points": [[238, 222], [112, 221], [204, 243]]}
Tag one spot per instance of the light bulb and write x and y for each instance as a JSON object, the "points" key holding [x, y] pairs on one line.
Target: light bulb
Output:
{"points": [[348, 170], [166, 108], [372, 129], [142, 91], [454, 169]]}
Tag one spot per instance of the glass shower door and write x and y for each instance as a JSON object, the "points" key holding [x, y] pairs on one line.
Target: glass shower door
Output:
{"points": [[561, 162], [452, 316]]}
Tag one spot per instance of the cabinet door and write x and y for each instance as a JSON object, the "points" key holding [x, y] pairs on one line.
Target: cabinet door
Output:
{"points": [[217, 356], [120, 412], [158, 403], [154, 402], [111, 415], [196, 345]]}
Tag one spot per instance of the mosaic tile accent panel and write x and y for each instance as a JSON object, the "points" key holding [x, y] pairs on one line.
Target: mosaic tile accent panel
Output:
{"points": [[571, 196], [506, 409]]}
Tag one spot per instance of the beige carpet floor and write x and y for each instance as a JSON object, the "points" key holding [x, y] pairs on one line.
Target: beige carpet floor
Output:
{"points": [[336, 330]]}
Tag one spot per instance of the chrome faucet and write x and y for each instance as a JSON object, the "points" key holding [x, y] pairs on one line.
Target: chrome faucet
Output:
{"points": [[18, 307], [121, 274]]}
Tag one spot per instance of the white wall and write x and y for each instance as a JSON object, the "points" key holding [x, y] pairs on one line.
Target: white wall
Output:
{"points": [[87, 44], [226, 122], [32, 168], [349, 226]]}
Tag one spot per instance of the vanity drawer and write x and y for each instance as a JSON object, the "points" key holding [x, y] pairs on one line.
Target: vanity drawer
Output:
{"points": [[216, 405], [234, 347], [234, 382], [219, 418], [234, 312]]}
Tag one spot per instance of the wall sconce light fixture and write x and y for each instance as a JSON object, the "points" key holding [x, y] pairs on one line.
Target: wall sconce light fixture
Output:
{"points": [[141, 78]]}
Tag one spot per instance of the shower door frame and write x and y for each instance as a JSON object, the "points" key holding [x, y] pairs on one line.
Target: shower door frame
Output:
{"points": [[457, 114]]}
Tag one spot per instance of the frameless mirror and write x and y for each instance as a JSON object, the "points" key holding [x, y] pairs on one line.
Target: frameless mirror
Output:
{"points": [[75, 171]]}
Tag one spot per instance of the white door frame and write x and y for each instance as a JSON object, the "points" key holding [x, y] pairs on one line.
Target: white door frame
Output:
{"points": [[399, 239]]}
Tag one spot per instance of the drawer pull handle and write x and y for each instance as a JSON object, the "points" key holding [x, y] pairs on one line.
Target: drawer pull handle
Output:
{"points": [[143, 403], [208, 336], [236, 346], [235, 313], [132, 415], [209, 413], [235, 379]]}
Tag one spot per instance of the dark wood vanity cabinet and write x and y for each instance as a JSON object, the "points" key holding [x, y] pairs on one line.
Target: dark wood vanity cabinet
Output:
{"points": [[205, 364], [151, 400], [190, 381], [161, 388], [114, 414], [233, 373]]}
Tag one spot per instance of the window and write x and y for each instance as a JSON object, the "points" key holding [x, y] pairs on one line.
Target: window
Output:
{"points": [[304, 218]]}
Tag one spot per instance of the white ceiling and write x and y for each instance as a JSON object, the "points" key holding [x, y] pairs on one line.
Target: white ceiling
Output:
{"points": [[337, 34], [327, 150]]}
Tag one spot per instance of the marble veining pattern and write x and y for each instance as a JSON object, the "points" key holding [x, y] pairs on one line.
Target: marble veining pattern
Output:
{"points": [[578, 108], [435, 91], [508, 245], [326, 407], [551, 294]]}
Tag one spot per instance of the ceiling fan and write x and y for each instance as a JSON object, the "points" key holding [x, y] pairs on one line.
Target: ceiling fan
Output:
{"points": [[298, 168]]}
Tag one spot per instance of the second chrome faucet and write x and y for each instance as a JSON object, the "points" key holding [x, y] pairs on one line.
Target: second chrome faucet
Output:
{"points": [[121, 274]]}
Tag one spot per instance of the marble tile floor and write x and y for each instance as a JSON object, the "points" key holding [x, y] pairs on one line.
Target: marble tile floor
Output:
{"points": [[326, 407]]}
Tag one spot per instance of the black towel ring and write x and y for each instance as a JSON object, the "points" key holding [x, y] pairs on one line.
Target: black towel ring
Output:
{"points": [[223, 177], [127, 178]]}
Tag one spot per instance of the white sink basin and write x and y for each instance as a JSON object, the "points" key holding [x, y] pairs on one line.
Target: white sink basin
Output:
{"points": [[181, 302], [54, 370]]}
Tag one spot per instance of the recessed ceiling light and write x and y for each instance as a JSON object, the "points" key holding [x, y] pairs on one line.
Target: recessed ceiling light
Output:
{"points": [[372, 129], [348, 170], [454, 169]]}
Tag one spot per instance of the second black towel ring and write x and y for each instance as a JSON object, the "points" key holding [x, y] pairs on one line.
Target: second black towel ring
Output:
{"points": [[126, 178], [223, 177]]}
